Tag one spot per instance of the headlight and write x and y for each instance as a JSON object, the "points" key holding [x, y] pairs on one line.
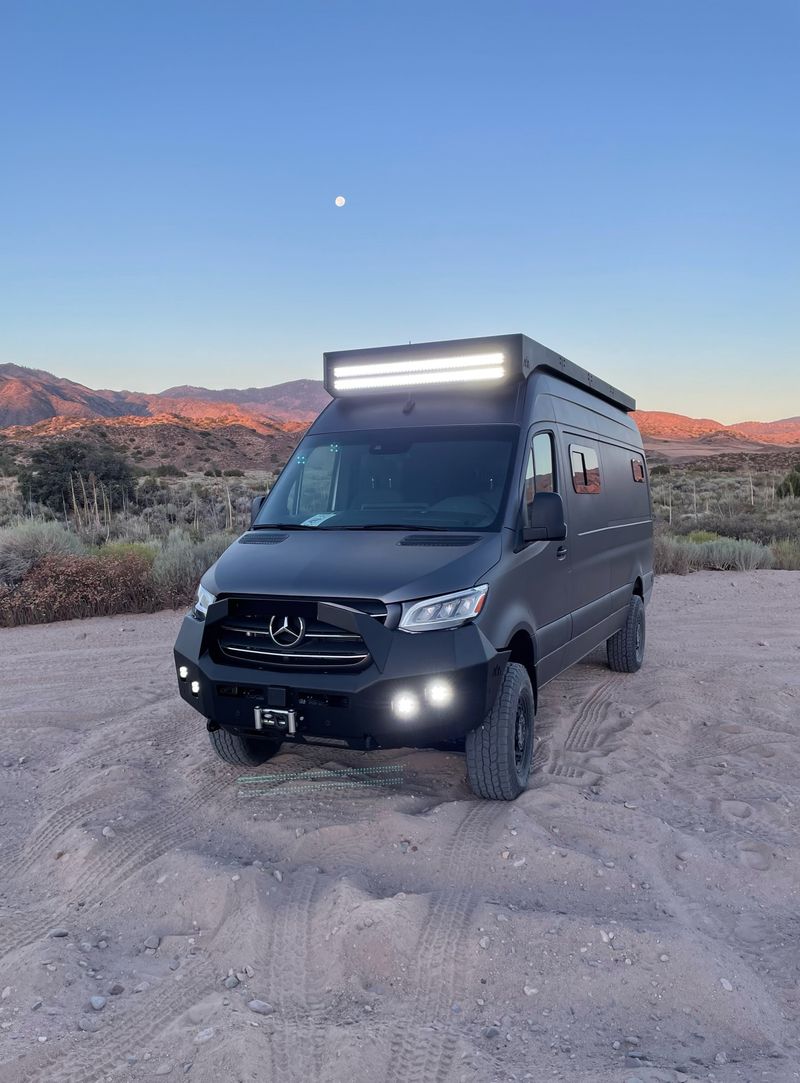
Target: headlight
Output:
{"points": [[203, 600], [446, 611]]}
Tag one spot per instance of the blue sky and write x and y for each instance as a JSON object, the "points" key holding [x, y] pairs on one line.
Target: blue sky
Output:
{"points": [[616, 179]]}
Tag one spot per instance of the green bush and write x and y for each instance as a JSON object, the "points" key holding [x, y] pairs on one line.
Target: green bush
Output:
{"points": [[670, 556], [66, 473], [115, 549], [786, 554], [169, 470], [180, 563], [732, 554], [790, 486], [679, 555], [21, 546], [699, 536]]}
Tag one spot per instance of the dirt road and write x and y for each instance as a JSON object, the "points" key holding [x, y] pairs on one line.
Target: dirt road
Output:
{"points": [[633, 916]]}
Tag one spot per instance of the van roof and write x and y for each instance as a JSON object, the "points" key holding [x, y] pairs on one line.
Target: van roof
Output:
{"points": [[490, 362]]}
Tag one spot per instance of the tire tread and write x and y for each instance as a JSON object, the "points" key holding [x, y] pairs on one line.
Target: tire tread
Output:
{"points": [[491, 769], [240, 750], [621, 647]]}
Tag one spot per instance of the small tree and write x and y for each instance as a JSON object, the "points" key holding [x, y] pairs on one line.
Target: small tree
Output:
{"points": [[66, 475], [790, 486]]}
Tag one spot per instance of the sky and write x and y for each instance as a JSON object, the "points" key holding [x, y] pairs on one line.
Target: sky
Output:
{"points": [[618, 179]]}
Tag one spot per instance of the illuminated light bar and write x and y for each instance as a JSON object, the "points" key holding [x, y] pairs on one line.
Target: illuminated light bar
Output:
{"points": [[427, 364], [489, 365], [417, 379], [480, 365]]}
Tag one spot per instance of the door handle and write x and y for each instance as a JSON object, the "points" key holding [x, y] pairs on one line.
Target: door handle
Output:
{"points": [[561, 552]]}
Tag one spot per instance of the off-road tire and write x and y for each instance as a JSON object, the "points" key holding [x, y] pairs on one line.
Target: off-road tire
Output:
{"points": [[240, 750], [499, 751], [625, 649]]}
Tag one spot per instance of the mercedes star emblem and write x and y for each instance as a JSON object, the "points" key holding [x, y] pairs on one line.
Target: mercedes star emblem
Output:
{"points": [[286, 631]]}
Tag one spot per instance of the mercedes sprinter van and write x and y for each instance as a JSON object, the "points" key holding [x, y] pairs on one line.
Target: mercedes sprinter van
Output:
{"points": [[460, 524]]}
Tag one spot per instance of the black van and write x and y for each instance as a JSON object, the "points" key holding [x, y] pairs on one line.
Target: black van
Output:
{"points": [[463, 522]]}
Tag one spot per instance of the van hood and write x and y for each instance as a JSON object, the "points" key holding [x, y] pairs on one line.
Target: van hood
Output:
{"points": [[388, 566]]}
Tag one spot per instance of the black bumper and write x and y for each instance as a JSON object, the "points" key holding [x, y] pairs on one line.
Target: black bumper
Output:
{"points": [[354, 706]]}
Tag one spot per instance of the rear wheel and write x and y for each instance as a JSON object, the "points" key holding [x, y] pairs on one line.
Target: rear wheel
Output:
{"points": [[240, 750], [625, 649], [499, 751]]}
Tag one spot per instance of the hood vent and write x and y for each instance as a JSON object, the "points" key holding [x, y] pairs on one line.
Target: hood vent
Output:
{"points": [[262, 538], [455, 540]]}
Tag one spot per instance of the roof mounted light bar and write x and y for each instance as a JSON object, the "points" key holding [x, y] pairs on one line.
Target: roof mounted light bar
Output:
{"points": [[426, 370], [479, 363]]}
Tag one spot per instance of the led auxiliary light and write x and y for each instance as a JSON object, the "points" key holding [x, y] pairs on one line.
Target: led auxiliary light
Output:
{"points": [[439, 693], [469, 368], [183, 672], [405, 705]]}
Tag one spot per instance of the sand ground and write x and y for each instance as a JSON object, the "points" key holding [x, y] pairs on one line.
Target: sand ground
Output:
{"points": [[633, 916]]}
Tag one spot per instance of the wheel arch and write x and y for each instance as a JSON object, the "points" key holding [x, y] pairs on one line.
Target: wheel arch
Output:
{"points": [[523, 650]]}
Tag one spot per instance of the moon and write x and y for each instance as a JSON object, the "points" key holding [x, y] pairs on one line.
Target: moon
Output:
{"points": [[340, 201]]}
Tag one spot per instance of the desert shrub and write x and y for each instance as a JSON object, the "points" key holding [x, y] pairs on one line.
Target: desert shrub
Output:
{"points": [[679, 555], [671, 556], [180, 563], [790, 486], [21, 546], [64, 472], [786, 554], [732, 554], [169, 470], [233, 473], [699, 536], [114, 549], [11, 507], [60, 587]]}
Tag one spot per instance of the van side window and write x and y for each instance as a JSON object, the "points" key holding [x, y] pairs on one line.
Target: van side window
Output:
{"points": [[637, 466], [585, 469], [540, 473]]}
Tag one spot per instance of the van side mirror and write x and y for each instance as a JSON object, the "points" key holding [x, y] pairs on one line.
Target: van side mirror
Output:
{"points": [[546, 519], [255, 508]]}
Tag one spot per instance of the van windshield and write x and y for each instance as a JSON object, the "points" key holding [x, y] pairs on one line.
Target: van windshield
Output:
{"points": [[441, 479]]}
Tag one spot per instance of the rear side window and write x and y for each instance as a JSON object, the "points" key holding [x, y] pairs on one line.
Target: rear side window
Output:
{"points": [[637, 467], [585, 469]]}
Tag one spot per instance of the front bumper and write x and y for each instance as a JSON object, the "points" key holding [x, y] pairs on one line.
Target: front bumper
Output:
{"points": [[355, 707]]}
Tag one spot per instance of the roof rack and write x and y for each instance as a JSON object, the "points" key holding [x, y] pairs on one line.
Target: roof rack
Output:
{"points": [[468, 362]]}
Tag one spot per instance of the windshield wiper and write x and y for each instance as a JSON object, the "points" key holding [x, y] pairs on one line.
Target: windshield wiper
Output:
{"points": [[398, 526], [282, 526]]}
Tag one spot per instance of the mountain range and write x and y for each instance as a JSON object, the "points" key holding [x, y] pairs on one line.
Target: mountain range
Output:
{"points": [[216, 424]]}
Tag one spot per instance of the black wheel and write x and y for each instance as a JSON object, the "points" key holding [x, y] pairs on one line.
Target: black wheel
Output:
{"points": [[499, 750], [625, 648], [243, 751]]}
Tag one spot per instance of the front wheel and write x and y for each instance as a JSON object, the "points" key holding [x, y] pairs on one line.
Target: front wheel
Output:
{"points": [[499, 751], [625, 649], [242, 751]]}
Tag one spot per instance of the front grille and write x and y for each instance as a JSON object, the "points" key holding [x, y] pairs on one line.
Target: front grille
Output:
{"points": [[244, 635]]}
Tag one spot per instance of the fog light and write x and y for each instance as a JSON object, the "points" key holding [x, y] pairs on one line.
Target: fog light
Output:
{"points": [[439, 693], [195, 688], [405, 705], [183, 672]]}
